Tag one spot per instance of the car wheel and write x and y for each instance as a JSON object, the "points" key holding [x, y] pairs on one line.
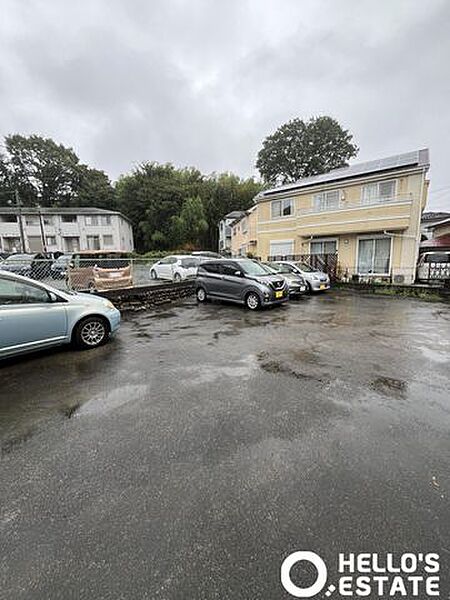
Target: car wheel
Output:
{"points": [[201, 294], [153, 274], [252, 301], [309, 287], [91, 332], [177, 277]]}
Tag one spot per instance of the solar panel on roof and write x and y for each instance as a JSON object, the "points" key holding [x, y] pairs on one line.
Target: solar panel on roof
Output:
{"points": [[417, 157]]}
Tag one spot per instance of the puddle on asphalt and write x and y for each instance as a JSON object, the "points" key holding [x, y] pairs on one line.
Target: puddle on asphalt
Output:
{"points": [[199, 374], [112, 400]]}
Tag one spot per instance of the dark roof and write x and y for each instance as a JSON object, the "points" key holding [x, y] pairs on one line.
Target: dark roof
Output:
{"points": [[83, 210], [434, 216], [441, 222], [418, 158]]}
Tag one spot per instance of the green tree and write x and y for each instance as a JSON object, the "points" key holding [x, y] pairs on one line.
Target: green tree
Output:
{"points": [[190, 225], [93, 188], [43, 171], [300, 149]]}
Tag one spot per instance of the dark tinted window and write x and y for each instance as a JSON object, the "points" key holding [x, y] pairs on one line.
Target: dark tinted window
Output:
{"points": [[437, 257], [230, 268], [211, 267]]}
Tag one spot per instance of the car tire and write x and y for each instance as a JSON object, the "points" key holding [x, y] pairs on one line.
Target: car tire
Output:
{"points": [[252, 301], [91, 332], [177, 277], [153, 274], [309, 287], [201, 295]]}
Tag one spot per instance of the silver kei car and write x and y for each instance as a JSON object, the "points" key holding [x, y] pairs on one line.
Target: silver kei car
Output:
{"points": [[34, 316], [316, 281]]}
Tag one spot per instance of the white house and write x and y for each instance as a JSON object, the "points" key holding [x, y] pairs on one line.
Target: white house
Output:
{"points": [[64, 229], [225, 230]]}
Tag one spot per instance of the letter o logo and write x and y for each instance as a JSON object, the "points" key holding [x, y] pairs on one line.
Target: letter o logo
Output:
{"points": [[313, 589]]}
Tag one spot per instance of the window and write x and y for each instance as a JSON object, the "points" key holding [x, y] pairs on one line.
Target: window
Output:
{"points": [[11, 244], [91, 220], [15, 292], [108, 240], [68, 218], [285, 248], [31, 220], [379, 191], [8, 219], [213, 268], [327, 200], [105, 219], [229, 269], [93, 242], [244, 225], [374, 256], [323, 247], [51, 240], [282, 208], [71, 244]]}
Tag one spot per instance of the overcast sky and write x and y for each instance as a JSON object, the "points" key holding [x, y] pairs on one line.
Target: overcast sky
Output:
{"points": [[202, 82]]}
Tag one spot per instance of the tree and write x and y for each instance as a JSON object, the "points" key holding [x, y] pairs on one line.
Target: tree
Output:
{"points": [[93, 188], [190, 225], [300, 149], [43, 171]]}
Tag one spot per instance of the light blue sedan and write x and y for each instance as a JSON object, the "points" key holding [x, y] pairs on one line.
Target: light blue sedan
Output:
{"points": [[34, 316]]}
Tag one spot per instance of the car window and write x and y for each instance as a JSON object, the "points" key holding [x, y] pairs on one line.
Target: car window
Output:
{"points": [[251, 267], [437, 257], [230, 268], [16, 292], [188, 263], [305, 267], [211, 267]]}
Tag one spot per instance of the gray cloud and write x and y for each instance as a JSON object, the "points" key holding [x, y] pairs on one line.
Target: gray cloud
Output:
{"points": [[202, 83]]}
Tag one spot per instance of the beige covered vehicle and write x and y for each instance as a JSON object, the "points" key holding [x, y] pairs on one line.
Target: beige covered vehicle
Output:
{"points": [[99, 271]]}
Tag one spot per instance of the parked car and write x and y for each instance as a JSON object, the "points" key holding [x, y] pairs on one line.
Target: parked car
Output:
{"points": [[241, 280], [177, 267], [297, 285], [34, 316], [59, 268], [99, 270], [434, 266], [35, 265], [316, 281]]}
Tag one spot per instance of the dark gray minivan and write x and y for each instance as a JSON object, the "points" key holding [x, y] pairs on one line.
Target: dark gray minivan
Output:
{"points": [[240, 280]]}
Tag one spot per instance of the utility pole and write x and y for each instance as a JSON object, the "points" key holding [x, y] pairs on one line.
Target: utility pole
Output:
{"points": [[19, 216]]}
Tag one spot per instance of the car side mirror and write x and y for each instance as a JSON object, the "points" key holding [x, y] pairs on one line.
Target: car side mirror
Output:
{"points": [[53, 297], [238, 273]]}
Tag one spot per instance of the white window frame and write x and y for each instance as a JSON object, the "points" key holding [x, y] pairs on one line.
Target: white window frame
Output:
{"points": [[91, 220], [377, 199], [317, 200], [374, 237], [324, 239], [281, 242], [282, 201]]}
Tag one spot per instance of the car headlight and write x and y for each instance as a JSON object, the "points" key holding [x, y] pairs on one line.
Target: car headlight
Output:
{"points": [[108, 304]]}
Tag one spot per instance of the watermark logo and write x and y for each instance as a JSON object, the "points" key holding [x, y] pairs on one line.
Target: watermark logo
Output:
{"points": [[362, 575]]}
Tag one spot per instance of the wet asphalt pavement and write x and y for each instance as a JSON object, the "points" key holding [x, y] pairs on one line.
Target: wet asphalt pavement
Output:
{"points": [[190, 456]]}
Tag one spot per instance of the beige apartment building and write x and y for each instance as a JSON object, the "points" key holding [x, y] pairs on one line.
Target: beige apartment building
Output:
{"points": [[368, 213]]}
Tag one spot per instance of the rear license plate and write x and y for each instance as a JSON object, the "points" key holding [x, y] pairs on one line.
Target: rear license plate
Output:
{"points": [[278, 294]]}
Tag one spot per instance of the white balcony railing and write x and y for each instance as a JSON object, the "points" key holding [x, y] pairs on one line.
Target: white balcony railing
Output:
{"points": [[349, 205]]}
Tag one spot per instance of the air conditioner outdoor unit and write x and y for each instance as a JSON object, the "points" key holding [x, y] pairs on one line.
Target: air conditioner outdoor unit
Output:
{"points": [[399, 279]]}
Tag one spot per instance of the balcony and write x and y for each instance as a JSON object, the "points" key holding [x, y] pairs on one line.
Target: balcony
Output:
{"points": [[349, 205], [351, 217]]}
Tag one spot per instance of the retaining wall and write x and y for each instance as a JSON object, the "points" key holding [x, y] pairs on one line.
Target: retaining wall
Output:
{"points": [[147, 296]]}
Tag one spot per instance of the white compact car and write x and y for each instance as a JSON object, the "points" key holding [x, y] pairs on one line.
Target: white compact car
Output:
{"points": [[177, 267]]}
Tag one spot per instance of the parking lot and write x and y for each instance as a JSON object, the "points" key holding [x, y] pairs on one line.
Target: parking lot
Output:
{"points": [[188, 457]]}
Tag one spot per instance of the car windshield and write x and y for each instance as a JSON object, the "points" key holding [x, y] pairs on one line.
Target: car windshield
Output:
{"points": [[280, 268], [251, 267], [304, 267]]}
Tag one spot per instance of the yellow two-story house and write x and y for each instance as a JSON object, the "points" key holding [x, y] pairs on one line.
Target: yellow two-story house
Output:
{"points": [[368, 213]]}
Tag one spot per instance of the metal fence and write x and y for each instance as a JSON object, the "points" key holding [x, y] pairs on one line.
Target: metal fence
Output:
{"points": [[83, 274], [328, 263]]}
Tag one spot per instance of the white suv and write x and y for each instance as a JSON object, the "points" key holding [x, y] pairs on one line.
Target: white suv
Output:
{"points": [[176, 267]]}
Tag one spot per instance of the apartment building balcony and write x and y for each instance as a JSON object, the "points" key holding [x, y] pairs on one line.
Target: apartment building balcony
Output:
{"points": [[347, 216]]}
